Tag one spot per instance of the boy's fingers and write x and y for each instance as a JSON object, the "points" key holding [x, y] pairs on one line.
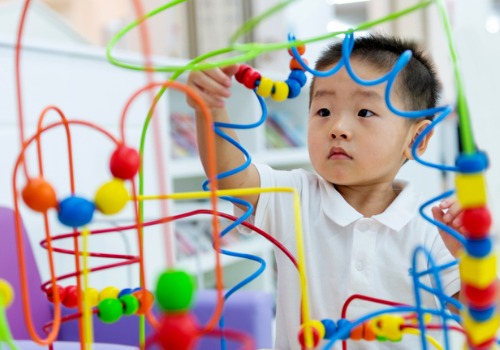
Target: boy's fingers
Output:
{"points": [[218, 76], [453, 212], [437, 213], [230, 70]]}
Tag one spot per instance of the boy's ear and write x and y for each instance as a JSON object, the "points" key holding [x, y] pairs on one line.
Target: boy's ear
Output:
{"points": [[416, 130]]}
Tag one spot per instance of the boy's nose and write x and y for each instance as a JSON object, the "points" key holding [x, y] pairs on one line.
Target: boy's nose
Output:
{"points": [[339, 129]]}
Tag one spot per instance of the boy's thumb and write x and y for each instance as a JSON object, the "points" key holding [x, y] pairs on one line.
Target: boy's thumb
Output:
{"points": [[230, 70]]}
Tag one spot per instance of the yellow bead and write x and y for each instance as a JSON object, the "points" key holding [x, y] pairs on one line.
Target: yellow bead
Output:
{"points": [[280, 91], [6, 293], [111, 197], [265, 87], [471, 190], [479, 332], [92, 295], [318, 325], [388, 326], [109, 292], [478, 272]]}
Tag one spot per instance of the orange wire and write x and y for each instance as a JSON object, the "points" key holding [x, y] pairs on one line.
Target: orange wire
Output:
{"points": [[20, 248]]}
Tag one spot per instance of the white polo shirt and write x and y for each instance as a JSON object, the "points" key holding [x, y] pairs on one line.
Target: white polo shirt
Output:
{"points": [[347, 254]]}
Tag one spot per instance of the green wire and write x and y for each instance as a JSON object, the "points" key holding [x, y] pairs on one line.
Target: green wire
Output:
{"points": [[466, 136]]}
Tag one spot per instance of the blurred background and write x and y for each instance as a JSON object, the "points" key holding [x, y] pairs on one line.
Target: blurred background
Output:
{"points": [[63, 63]]}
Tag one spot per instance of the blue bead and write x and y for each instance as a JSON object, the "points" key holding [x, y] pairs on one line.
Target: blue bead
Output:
{"points": [[482, 315], [478, 248], [344, 323], [75, 211], [136, 289], [299, 75], [329, 327], [293, 88], [124, 291], [472, 163]]}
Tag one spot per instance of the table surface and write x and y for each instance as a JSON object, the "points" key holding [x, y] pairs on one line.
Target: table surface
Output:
{"points": [[66, 345]]}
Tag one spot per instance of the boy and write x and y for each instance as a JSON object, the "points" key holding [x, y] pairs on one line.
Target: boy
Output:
{"points": [[360, 225]]}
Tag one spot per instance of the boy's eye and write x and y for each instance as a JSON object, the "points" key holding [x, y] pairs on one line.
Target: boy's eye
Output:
{"points": [[365, 113], [323, 112]]}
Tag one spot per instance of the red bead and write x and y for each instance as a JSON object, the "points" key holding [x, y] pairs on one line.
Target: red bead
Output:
{"points": [[50, 293], [71, 297], [294, 64], [480, 298], [241, 72], [177, 332], [125, 162], [250, 77], [301, 49], [39, 195], [477, 222], [486, 345], [302, 337]]}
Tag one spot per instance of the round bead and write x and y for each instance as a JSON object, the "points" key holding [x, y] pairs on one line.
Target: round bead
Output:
{"points": [[300, 48], [315, 336], [39, 195], [6, 293], [125, 162], [478, 248], [388, 326], [130, 304], [109, 292], [110, 310], [486, 345], [175, 291], [51, 295], [250, 77], [293, 88], [357, 333], [299, 75], [265, 87], [472, 163], [178, 331], [480, 298], [70, 297], [294, 64], [75, 211], [476, 221], [343, 323], [124, 291], [111, 197], [330, 327], [483, 314], [280, 91], [146, 300], [368, 333], [92, 295], [242, 69]]}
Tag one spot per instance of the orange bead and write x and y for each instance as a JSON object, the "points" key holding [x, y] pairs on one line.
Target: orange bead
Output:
{"points": [[301, 49], [39, 195], [368, 333], [294, 64], [357, 333], [146, 299]]}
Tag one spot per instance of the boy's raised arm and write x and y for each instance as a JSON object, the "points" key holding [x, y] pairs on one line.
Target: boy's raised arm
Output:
{"points": [[213, 86]]}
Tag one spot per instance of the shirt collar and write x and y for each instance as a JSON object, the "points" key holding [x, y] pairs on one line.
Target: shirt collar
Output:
{"points": [[396, 216]]}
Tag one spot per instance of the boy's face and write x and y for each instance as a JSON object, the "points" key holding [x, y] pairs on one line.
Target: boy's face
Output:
{"points": [[353, 138]]}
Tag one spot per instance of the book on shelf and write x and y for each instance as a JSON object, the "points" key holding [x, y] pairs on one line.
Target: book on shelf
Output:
{"points": [[282, 132], [183, 135]]}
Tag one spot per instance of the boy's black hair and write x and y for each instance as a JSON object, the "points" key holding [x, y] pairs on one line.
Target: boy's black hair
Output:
{"points": [[417, 84]]}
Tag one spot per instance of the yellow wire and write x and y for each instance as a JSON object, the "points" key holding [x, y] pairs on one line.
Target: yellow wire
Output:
{"points": [[308, 336], [431, 339], [87, 308]]}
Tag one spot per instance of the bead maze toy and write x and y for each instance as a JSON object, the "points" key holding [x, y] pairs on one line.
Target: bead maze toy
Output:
{"points": [[176, 328]]}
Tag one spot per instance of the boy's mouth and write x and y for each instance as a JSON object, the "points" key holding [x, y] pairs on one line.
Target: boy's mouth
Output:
{"points": [[338, 153]]}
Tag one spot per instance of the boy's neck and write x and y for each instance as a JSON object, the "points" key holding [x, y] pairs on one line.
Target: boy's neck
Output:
{"points": [[370, 200]]}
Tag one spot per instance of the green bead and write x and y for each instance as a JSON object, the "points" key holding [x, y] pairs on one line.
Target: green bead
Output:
{"points": [[130, 304], [380, 338], [175, 291], [110, 310]]}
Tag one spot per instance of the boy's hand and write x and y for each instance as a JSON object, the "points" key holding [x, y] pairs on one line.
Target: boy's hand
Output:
{"points": [[213, 85], [449, 212]]}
